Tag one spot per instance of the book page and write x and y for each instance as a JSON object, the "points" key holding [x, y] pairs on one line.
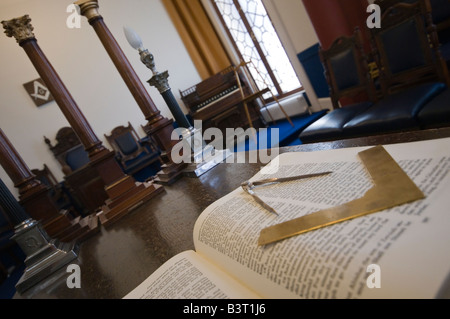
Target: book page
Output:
{"points": [[188, 276], [408, 243]]}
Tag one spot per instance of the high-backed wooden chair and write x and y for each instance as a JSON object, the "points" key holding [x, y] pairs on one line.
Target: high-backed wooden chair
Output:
{"points": [[406, 48], [347, 73], [440, 17], [412, 71], [59, 192], [411, 74], [81, 178], [68, 150], [346, 69], [440, 11], [137, 157]]}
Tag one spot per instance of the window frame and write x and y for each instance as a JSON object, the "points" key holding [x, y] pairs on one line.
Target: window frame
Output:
{"points": [[224, 27]]}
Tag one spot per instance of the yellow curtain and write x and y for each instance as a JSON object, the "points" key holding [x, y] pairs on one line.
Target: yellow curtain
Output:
{"points": [[198, 35]]}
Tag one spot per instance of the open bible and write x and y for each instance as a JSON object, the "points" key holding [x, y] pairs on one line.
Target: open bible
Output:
{"points": [[401, 252]]}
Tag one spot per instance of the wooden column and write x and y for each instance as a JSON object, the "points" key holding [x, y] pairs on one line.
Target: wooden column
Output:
{"points": [[334, 18], [31, 191], [10, 206], [36, 200], [159, 127], [124, 193]]}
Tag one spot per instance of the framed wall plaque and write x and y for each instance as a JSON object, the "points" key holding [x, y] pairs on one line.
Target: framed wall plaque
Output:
{"points": [[38, 92]]}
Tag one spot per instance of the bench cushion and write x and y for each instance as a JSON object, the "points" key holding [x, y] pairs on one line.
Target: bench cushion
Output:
{"points": [[396, 112], [330, 126], [437, 112]]}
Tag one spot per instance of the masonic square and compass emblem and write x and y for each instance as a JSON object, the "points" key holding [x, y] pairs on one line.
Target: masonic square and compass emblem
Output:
{"points": [[39, 93]]}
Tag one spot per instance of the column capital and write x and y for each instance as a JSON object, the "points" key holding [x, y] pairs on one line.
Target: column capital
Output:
{"points": [[88, 8], [19, 28], [160, 81]]}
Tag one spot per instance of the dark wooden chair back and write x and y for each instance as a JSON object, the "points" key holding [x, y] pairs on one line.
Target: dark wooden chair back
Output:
{"points": [[84, 184], [346, 69], [440, 11], [125, 142], [68, 150], [45, 176], [132, 152], [386, 4], [406, 47], [59, 192]]}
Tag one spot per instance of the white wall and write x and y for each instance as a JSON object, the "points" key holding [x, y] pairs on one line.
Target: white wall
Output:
{"points": [[297, 34], [87, 71]]}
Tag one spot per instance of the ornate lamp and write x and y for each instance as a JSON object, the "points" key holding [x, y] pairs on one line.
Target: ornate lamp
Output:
{"points": [[203, 157], [159, 80]]}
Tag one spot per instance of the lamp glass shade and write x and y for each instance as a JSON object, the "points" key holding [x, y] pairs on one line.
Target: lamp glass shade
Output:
{"points": [[133, 38]]}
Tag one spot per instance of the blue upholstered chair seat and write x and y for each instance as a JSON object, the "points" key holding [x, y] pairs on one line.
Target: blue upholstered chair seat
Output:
{"points": [[137, 157], [331, 125], [436, 112], [395, 112]]}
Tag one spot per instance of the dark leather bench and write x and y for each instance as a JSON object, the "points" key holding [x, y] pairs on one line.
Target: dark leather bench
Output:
{"points": [[427, 106], [436, 113]]}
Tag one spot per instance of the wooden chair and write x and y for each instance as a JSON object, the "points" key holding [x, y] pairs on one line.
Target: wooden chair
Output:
{"points": [[59, 192], [406, 48], [441, 18], [412, 71], [138, 157], [68, 150], [440, 11], [347, 73], [81, 178], [346, 69], [411, 74]]}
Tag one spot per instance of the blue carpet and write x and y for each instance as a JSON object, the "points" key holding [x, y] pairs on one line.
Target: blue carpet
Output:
{"points": [[288, 134], [147, 172]]}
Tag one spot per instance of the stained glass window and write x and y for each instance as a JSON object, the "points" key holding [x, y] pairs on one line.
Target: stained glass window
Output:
{"points": [[255, 38]]}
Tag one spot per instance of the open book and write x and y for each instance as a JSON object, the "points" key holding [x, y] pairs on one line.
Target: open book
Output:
{"points": [[408, 244]]}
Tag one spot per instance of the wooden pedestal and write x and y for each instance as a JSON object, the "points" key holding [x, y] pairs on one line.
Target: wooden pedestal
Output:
{"points": [[57, 224], [129, 200]]}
